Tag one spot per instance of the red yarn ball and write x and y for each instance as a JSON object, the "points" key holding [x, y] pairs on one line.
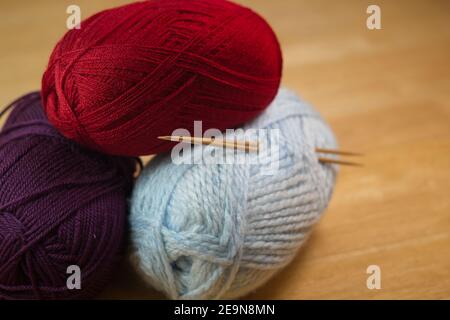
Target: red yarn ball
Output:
{"points": [[139, 71]]}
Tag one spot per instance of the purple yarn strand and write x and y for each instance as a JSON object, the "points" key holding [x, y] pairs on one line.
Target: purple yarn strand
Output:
{"points": [[60, 205]]}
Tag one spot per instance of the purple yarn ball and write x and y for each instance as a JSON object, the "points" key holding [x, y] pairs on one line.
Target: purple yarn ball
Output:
{"points": [[60, 205]]}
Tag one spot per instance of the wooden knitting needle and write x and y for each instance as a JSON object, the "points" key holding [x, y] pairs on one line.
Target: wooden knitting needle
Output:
{"points": [[341, 162], [338, 152], [252, 146], [245, 146]]}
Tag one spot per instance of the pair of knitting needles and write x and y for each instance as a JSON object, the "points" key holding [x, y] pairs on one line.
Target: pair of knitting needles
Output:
{"points": [[254, 147]]}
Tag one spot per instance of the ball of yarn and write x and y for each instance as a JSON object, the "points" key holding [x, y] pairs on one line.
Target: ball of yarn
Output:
{"points": [[136, 72], [60, 206], [207, 231]]}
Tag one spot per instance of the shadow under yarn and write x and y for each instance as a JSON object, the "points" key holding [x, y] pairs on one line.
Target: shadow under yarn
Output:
{"points": [[60, 205], [208, 231]]}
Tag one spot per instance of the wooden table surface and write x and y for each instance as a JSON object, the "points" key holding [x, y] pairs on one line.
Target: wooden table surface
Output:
{"points": [[385, 93]]}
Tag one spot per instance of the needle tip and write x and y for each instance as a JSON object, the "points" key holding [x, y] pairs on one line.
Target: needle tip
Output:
{"points": [[168, 138]]}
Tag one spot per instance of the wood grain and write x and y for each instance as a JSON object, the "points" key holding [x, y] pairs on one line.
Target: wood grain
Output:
{"points": [[386, 93]]}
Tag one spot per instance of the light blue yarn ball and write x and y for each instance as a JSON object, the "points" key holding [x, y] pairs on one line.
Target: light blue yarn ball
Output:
{"points": [[210, 231]]}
